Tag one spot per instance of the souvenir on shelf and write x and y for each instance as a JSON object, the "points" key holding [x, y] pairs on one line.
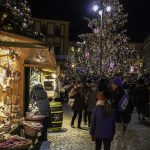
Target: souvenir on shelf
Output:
{"points": [[14, 142], [34, 113], [33, 108], [9, 91]]}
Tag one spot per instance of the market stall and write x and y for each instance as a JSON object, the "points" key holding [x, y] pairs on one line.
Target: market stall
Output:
{"points": [[10, 92], [47, 77], [16, 54]]}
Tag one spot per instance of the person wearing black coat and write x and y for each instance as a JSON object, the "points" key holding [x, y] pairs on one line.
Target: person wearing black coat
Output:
{"points": [[78, 106], [40, 96], [141, 99]]}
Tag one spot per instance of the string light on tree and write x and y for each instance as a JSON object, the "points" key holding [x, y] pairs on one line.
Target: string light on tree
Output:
{"points": [[107, 44], [12, 16], [24, 25], [108, 8]]}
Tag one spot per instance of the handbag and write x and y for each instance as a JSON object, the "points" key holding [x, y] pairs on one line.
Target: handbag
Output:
{"points": [[71, 102]]}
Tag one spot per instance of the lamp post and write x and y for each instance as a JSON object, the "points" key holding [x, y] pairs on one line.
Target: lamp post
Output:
{"points": [[100, 8], [101, 42]]}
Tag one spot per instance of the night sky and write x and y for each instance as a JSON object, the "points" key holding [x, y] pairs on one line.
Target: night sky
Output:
{"points": [[138, 26]]}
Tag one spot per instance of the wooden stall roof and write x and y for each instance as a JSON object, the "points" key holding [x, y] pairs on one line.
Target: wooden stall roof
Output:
{"points": [[34, 52], [20, 38]]}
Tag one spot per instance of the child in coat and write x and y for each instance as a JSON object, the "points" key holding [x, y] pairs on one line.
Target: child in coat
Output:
{"points": [[103, 123]]}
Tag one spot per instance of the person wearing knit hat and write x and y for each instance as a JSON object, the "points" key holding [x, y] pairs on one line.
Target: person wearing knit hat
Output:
{"points": [[122, 118], [118, 81]]}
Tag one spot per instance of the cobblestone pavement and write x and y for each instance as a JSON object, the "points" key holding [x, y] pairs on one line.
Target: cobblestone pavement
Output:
{"points": [[137, 137]]}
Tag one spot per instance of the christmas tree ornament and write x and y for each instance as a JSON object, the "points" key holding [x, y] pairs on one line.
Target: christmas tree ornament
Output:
{"points": [[16, 16]]}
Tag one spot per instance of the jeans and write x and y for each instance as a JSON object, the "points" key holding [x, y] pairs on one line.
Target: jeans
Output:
{"points": [[106, 142], [75, 113]]}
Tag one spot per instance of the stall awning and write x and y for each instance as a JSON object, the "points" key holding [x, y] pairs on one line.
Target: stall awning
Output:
{"points": [[32, 51]]}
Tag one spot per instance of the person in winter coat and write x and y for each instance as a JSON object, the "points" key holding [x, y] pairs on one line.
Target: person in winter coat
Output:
{"points": [[148, 106], [122, 118], [103, 123], [78, 106], [86, 90], [40, 96], [91, 101], [141, 99]]}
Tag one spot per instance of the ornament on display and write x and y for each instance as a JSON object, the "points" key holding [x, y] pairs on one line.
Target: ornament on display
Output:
{"points": [[131, 69], [17, 14], [87, 54], [4, 16], [7, 4], [15, 8], [72, 49], [79, 49], [24, 25], [21, 14], [28, 9], [112, 65], [25, 20], [96, 30]]}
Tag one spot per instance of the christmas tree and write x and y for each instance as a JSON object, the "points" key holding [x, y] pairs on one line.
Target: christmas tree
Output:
{"points": [[15, 16], [106, 51]]}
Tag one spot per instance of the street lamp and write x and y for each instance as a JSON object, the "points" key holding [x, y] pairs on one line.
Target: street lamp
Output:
{"points": [[108, 8], [95, 7], [101, 9], [100, 12]]}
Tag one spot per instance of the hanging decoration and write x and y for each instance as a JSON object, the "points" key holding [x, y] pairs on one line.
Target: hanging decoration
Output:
{"points": [[9, 93]]}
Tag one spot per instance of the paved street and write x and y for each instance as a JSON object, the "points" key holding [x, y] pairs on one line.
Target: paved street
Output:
{"points": [[137, 137]]}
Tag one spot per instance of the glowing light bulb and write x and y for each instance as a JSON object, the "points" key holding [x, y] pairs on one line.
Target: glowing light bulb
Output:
{"points": [[100, 12], [108, 8], [54, 76], [73, 65], [95, 8]]}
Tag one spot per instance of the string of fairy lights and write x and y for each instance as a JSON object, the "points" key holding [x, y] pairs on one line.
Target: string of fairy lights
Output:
{"points": [[15, 15], [106, 50]]}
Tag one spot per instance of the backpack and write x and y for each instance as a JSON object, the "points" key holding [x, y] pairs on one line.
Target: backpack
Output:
{"points": [[123, 103]]}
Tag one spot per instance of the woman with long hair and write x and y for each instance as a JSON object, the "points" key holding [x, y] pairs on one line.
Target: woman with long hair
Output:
{"points": [[103, 122], [78, 105]]}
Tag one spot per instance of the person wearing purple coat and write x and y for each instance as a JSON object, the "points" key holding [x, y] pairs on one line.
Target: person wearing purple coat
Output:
{"points": [[102, 128]]}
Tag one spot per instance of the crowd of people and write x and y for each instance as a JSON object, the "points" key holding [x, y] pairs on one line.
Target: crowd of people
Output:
{"points": [[106, 106]]}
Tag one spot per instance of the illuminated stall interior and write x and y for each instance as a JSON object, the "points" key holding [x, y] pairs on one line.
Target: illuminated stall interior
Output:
{"points": [[47, 77], [17, 53]]}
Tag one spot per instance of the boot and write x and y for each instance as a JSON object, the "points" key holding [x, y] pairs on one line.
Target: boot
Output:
{"points": [[72, 126], [124, 129]]}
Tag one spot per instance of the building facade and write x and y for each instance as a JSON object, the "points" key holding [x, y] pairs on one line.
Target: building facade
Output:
{"points": [[56, 33], [147, 55]]}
